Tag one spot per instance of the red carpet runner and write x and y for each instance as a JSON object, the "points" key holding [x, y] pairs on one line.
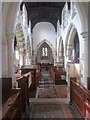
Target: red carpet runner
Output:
{"points": [[52, 112], [47, 88]]}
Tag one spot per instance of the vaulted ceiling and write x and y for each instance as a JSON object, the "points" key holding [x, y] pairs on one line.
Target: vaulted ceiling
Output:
{"points": [[44, 12]]}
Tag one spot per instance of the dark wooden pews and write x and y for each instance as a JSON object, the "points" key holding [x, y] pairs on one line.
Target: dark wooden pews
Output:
{"points": [[88, 83], [23, 82], [58, 75], [11, 101], [28, 84], [80, 97], [38, 69]]}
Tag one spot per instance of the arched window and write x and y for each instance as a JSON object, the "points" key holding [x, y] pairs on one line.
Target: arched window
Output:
{"points": [[44, 52]]}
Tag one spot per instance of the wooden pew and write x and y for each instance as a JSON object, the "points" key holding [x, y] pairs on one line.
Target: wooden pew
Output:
{"points": [[6, 88], [57, 75], [12, 107], [33, 86], [52, 72], [38, 69], [60, 76], [80, 97], [88, 83], [31, 69], [11, 100], [24, 83]]}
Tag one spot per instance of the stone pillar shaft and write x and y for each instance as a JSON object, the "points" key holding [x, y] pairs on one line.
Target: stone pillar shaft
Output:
{"points": [[21, 58], [0, 60], [86, 58], [10, 46], [4, 56]]}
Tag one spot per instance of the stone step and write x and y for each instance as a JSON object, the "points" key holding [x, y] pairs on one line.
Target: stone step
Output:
{"points": [[49, 101]]}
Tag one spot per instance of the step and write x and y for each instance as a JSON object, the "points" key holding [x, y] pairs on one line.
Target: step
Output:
{"points": [[49, 101]]}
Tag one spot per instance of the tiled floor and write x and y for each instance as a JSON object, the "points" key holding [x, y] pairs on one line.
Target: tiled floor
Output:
{"points": [[52, 110]]}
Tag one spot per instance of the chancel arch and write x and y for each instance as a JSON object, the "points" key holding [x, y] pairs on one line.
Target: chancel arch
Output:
{"points": [[44, 54]]}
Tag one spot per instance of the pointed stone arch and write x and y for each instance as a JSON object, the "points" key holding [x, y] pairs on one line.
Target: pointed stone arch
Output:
{"points": [[70, 35], [70, 39], [67, 37], [38, 52], [49, 44], [60, 50]]}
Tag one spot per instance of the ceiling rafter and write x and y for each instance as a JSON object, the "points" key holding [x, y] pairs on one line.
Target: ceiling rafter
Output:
{"points": [[44, 12]]}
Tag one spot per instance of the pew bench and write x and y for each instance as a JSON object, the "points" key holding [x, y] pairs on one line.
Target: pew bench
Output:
{"points": [[80, 97]]}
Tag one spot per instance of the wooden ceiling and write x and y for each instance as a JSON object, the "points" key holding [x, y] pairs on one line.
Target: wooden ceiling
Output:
{"points": [[44, 12]]}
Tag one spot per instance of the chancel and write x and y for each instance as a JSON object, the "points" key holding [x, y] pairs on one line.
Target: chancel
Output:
{"points": [[44, 60]]}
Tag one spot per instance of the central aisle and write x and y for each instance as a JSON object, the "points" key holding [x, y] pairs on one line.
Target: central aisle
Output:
{"points": [[55, 108], [47, 87], [51, 102]]}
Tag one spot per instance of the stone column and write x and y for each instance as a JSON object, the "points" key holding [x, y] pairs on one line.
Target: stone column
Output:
{"points": [[10, 50], [0, 41], [55, 57], [0, 61], [24, 56], [30, 56], [21, 58], [86, 58], [58, 60], [88, 55], [34, 57], [60, 56], [69, 48], [4, 56], [67, 65]]}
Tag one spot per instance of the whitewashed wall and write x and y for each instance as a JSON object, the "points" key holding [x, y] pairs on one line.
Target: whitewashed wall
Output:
{"points": [[77, 23], [43, 30]]}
